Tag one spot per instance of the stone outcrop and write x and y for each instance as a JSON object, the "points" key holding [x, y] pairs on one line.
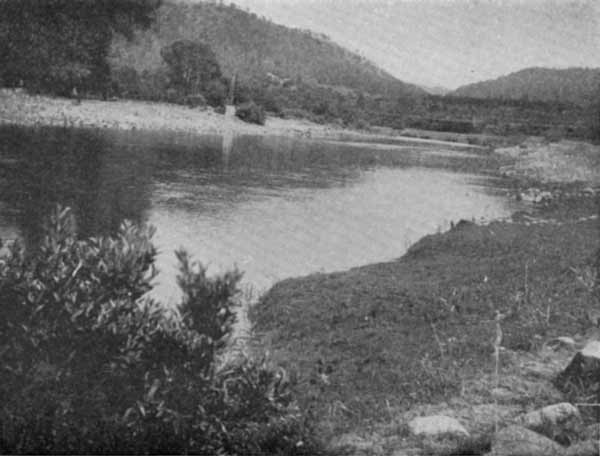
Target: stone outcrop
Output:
{"points": [[552, 420], [584, 368], [519, 441], [437, 426]]}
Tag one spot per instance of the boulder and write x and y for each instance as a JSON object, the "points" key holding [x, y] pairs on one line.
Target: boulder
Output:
{"points": [[436, 426], [519, 441], [584, 368], [550, 416], [356, 444], [561, 422], [409, 452], [562, 342]]}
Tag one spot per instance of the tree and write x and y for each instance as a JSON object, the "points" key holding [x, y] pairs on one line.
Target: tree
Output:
{"points": [[192, 66], [55, 45]]}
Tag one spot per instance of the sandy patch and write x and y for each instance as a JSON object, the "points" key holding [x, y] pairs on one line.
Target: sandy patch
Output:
{"points": [[17, 107], [564, 161]]}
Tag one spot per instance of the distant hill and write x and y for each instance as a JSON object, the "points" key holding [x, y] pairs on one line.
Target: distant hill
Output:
{"points": [[578, 86], [256, 49], [436, 90]]}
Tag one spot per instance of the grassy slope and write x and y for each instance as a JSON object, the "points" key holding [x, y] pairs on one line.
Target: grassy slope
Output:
{"points": [[393, 335]]}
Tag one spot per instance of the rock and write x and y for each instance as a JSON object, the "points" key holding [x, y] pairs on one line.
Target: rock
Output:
{"points": [[503, 394], [562, 342], [584, 368], [592, 349], [550, 416], [409, 452], [588, 191], [436, 425], [356, 444], [519, 441], [534, 195], [587, 448], [561, 422]]}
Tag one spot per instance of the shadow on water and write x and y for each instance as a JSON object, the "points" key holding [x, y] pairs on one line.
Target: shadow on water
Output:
{"points": [[42, 167]]}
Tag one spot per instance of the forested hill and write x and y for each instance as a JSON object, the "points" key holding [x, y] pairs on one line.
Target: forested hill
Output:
{"points": [[578, 86], [255, 49]]}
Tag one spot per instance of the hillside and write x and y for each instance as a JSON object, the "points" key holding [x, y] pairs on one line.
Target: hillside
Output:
{"points": [[578, 86], [256, 49]]}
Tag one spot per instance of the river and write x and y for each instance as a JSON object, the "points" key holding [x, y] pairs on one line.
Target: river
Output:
{"points": [[274, 207]]}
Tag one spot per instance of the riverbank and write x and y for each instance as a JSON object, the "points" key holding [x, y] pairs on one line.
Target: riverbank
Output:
{"points": [[20, 108], [371, 348]]}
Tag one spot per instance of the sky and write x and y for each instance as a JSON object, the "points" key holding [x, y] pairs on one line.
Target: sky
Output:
{"points": [[449, 43]]}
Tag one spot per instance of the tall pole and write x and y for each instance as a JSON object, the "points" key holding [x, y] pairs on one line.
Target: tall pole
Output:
{"points": [[231, 95]]}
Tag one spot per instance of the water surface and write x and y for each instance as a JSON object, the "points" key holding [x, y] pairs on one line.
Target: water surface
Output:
{"points": [[274, 207]]}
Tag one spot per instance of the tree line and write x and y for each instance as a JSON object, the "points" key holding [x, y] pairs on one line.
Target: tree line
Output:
{"points": [[187, 54], [54, 46]]}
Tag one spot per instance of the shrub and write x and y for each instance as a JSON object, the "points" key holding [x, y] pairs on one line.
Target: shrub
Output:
{"points": [[251, 113], [91, 365], [215, 92], [242, 94], [194, 101], [125, 82]]}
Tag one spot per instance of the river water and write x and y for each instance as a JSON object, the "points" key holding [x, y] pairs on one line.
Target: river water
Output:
{"points": [[274, 207]]}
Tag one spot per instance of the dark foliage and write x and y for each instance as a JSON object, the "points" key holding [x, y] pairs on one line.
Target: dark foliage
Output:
{"points": [[54, 46], [216, 92], [251, 112], [570, 86], [90, 365], [192, 66]]}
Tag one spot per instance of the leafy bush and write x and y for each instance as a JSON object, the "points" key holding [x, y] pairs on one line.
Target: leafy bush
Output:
{"points": [[251, 112], [195, 100], [216, 92], [92, 365]]}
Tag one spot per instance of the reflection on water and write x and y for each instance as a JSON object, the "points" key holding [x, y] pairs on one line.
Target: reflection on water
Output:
{"points": [[275, 207]]}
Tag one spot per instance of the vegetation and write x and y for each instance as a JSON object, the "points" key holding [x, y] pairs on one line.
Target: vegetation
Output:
{"points": [[193, 69], [251, 112], [91, 365], [57, 46], [296, 73], [577, 86], [378, 340], [255, 49], [187, 53]]}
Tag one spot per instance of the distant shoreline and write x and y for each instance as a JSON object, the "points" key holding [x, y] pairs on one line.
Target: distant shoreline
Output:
{"points": [[19, 108]]}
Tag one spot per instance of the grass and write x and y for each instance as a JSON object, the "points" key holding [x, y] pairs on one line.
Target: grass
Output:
{"points": [[373, 340]]}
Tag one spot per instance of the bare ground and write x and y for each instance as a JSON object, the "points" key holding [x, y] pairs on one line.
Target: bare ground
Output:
{"points": [[18, 107]]}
